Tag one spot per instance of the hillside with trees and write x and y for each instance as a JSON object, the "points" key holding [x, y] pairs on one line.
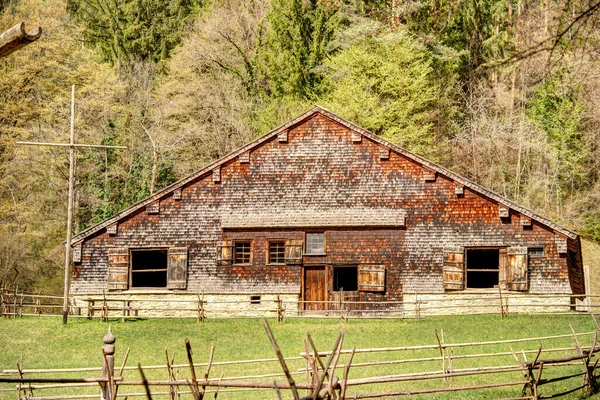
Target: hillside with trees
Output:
{"points": [[500, 91]]}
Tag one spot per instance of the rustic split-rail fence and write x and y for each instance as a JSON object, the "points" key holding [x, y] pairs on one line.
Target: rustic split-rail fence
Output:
{"points": [[200, 307], [543, 367]]}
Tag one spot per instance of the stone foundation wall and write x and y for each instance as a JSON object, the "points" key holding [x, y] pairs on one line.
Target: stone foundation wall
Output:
{"points": [[183, 305], [482, 302], [186, 305]]}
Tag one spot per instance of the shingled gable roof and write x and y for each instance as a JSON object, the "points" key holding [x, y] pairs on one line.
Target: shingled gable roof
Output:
{"points": [[310, 113]]}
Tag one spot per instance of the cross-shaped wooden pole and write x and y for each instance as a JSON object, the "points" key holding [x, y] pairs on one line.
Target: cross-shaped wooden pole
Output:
{"points": [[71, 145]]}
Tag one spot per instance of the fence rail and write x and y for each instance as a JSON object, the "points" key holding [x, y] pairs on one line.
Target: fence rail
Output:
{"points": [[321, 375], [416, 305]]}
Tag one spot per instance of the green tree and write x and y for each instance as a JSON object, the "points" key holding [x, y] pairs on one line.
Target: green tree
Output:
{"points": [[35, 87], [387, 84], [126, 31], [481, 31], [558, 112], [297, 44]]}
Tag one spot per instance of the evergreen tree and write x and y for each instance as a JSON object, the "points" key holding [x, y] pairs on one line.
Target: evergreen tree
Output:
{"points": [[125, 31], [297, 44]]}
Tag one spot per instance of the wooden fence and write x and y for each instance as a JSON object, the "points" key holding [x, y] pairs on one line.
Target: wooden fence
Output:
{"points": [[544, 367], [417, 305]]}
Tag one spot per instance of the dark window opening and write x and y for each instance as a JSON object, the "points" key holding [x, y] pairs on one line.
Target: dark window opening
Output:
{"points": [[149, 268], [315, 243], [276, 252], [482, 268], [254, 299], [242, 253], [345, 278], [535, 251]]}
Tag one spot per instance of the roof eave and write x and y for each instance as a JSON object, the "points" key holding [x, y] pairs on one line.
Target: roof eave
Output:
{"points": [[308, 114]]}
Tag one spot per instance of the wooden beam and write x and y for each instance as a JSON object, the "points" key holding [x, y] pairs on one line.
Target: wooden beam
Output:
{"points": [[16, 37], [95, 146]]}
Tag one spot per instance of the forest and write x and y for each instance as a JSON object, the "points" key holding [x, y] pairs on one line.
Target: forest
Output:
{"points": [[500, 91]]}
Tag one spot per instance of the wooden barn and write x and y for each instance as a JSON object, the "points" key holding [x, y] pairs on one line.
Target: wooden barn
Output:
{"points": [[318, 210]]}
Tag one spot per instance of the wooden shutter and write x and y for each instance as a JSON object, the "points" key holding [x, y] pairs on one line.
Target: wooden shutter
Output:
{"points": [[502, 268], [225, 252], [177, 268], [118, 268], [454, 268], [515, 268], [293, 251], [371, 278]]}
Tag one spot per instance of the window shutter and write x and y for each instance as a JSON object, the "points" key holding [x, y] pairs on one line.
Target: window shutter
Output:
{"points": [[515, 268], [293, 251], [225, 253], [118, 268], [177, 268], [454, 268], [502, 268], [371, 278]]}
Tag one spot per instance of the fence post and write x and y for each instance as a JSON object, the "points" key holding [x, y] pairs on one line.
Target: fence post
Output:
{"points": [[3, 310], [280, 309], [417, 307], [15, 302], [108, 365], [104, 307], [501, 302], [201, 313]]}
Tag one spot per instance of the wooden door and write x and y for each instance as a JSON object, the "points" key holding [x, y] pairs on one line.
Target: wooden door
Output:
{"points": [[315, 288]]}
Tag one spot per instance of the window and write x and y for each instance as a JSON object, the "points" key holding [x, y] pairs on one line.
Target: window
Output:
{"points": [[345, 278], [254, 299], [315, 243], [536, 251], [149, 268], [482, 268], [277, 252], [241, 253]]}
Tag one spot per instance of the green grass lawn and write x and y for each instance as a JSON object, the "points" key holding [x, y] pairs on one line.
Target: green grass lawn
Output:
{"points": [[591, 257], [45, 343]]}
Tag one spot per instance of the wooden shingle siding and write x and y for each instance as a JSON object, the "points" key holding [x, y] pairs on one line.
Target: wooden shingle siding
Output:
{"points": [[113, 229], [153, 208], [76, 255], [320, 167], [428, 174], [561, 244]]}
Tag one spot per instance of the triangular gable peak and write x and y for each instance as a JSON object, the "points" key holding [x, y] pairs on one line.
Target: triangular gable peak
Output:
{"points": [[281, 131]]}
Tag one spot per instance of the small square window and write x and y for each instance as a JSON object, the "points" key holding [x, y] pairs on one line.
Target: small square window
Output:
{"points": [[315, 243], [537, 251], [277, 252], [254, 299], [241, 253]]}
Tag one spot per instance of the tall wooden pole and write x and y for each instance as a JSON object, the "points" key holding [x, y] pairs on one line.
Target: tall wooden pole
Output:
{"points": [[69, 209], [72, 146]]}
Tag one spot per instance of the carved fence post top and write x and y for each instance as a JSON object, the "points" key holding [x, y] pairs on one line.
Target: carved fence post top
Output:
{"points": [[109, 342]]}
